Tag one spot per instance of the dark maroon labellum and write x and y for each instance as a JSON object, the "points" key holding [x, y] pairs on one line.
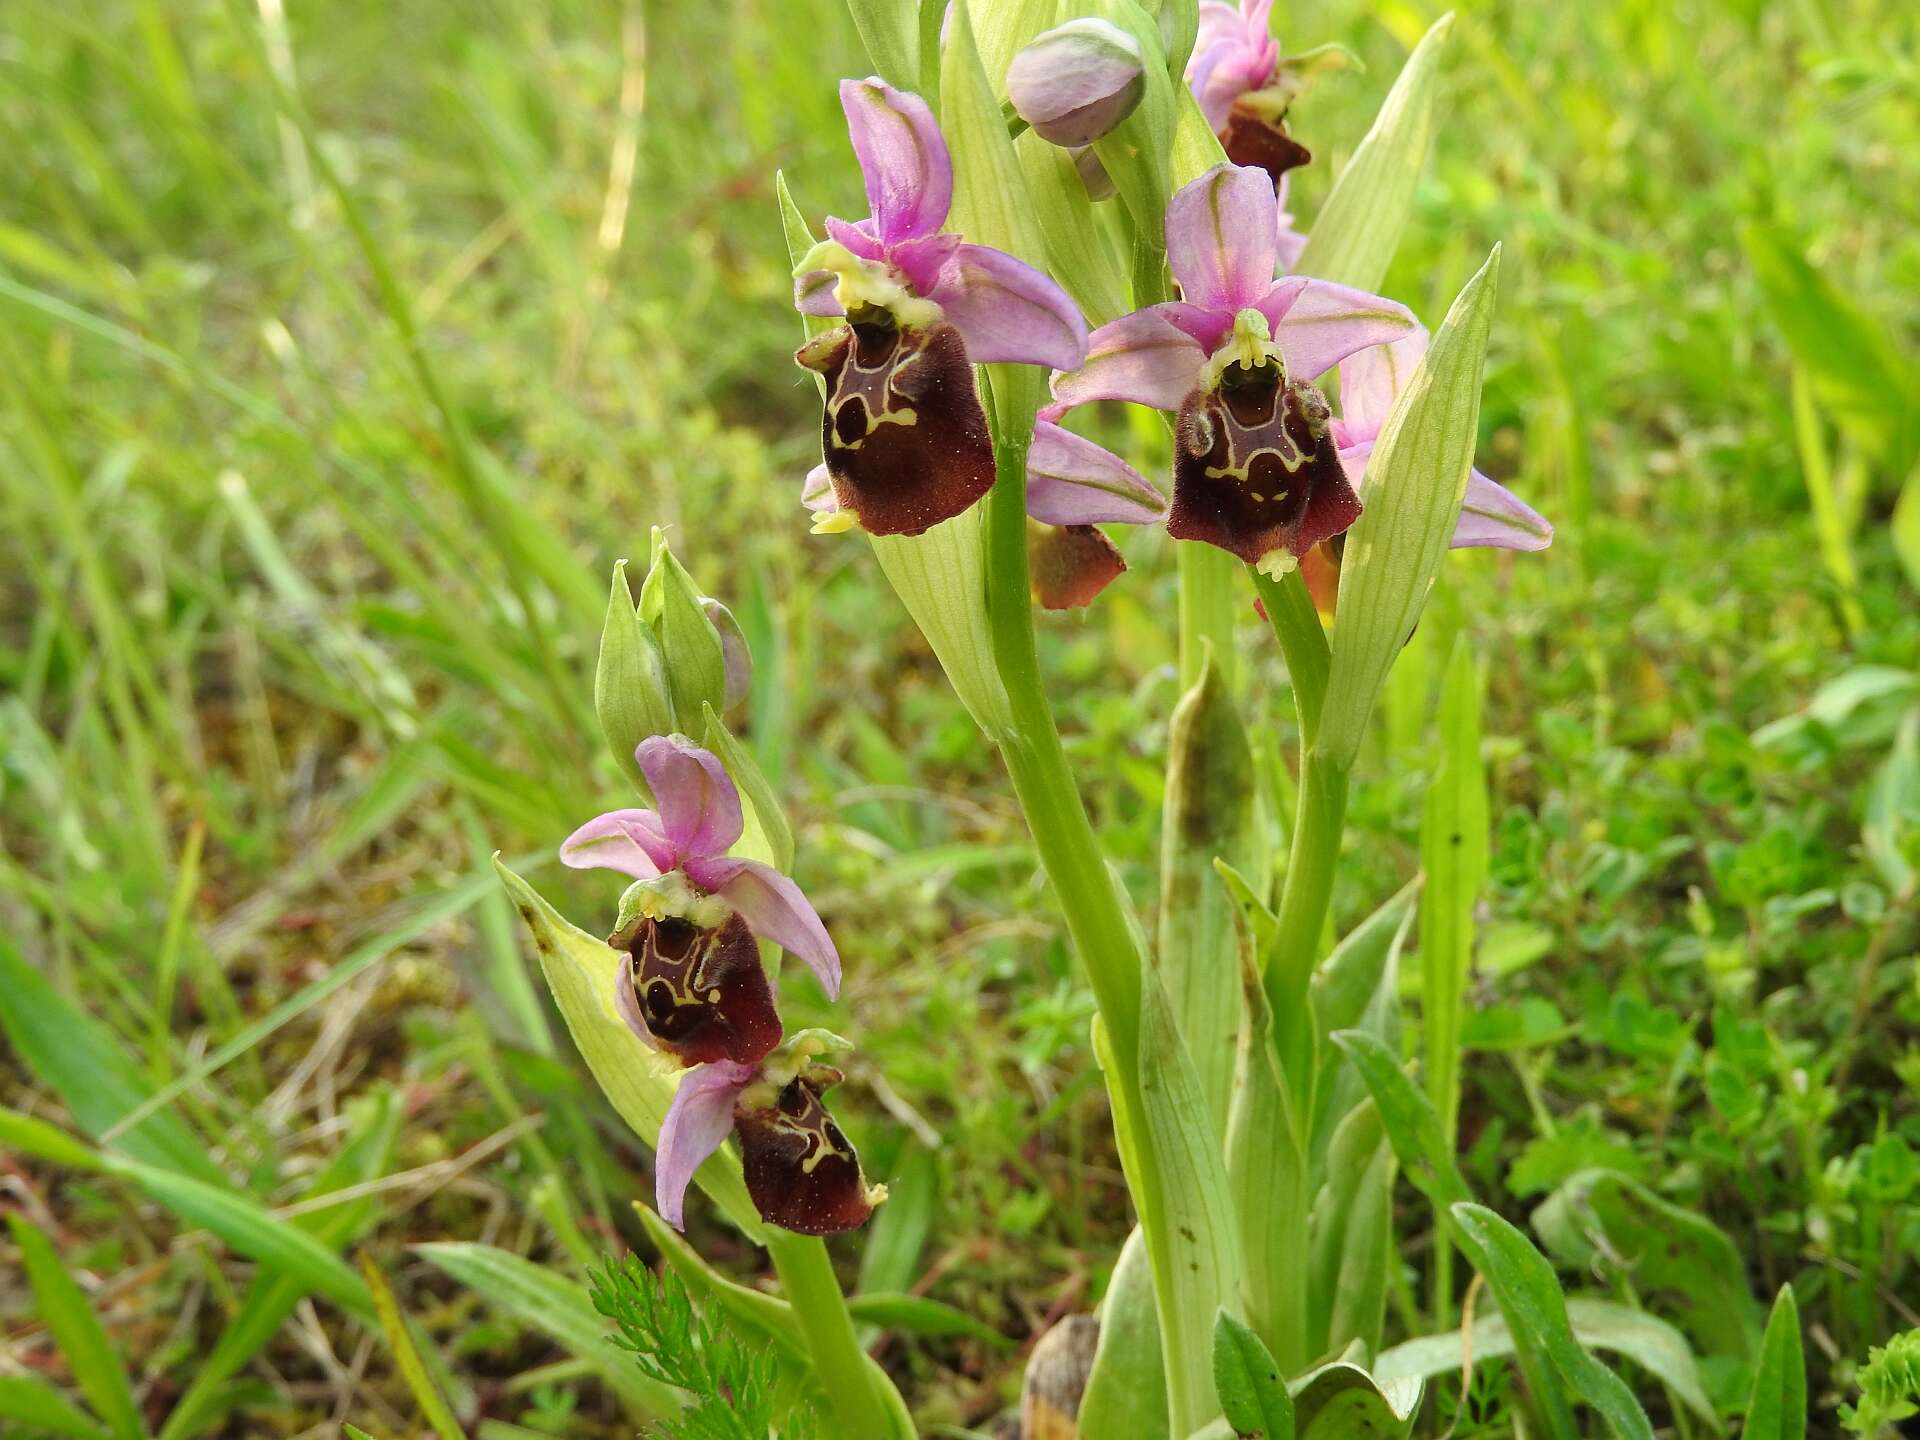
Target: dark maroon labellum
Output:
{"points": [[801, 1170], [1070, 564], [702, 995], [904, 435], [1255, 468], [1255, 137]]}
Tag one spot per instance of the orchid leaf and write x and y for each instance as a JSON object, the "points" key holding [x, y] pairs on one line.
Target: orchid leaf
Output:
{"points": [[941, 578], [768, 835], [1530, 1298], [1127, 1388], [1652, 1344], [1208, 813], [629, 682], [1354, 236], [890, 29], [1080, 253], [1267, 1173], [1357, 987], [1416, 480], [1454, 842], [1408, 1117], [1341, 1401], [1777, 1406], [1252, 1391], [1350, 1237], [1193, 1234], [639, 1082]]}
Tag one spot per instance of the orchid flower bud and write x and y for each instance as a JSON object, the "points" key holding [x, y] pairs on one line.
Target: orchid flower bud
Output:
{"points": [[1077, 81], [694, 657], [738, 659]]}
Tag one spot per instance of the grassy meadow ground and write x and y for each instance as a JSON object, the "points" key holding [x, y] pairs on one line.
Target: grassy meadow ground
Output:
{"points": [[313, 465]]}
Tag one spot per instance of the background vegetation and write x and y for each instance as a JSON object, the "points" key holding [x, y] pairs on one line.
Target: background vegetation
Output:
{"points": [[313, 460]]}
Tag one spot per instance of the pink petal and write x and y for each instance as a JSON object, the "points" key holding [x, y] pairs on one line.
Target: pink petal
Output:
{"points": [[1493, 517], [814, 293], [922, 258], [630, 841], [700, 1117], [1211, 58], [1142, 357], [626, 1003], [1223, 237], [774, 909], [902, 158], [1372, 379], [1072, 481], [1317, 324], [1006, 310], [699, 808], [857, 236], [816, 492]]}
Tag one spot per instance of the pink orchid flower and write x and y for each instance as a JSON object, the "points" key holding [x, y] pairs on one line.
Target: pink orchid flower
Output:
{"points": [[1256, 468], [904, 435]]}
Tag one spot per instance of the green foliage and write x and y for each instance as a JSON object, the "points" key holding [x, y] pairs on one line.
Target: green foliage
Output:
{"points": [[1889, 1386], [1777, 1408], [1252, 1389], [731, 1385]]}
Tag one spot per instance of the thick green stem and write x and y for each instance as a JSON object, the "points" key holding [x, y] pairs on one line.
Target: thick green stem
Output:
{"points": [[1206, 612], [1042, 780], [1318, 823], [860, 1411]]}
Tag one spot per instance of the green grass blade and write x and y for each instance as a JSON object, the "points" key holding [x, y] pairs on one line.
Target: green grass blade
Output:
{"points": [[406, 1354], [36, 1404], [559, 1309], [77, 1331]]}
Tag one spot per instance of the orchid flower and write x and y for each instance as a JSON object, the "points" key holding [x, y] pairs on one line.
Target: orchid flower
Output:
{"points": [[801, 1172], [1073, 485], [692, 984], [1256, 468], [904, 435], [1491, 516], [1233, 74]]}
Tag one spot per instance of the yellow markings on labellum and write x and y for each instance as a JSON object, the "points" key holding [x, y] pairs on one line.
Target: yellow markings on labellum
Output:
{"points": [[872, 386], [859, 284]]}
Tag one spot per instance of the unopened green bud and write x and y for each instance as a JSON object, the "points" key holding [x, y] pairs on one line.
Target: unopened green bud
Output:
{"points": [[1077, 81], [695, 663], [630, 683]]}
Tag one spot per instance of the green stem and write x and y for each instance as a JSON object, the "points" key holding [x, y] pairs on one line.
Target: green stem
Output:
{"points": [[1206, 612], [1042, 779], [1318, 821], [806, 1275]]}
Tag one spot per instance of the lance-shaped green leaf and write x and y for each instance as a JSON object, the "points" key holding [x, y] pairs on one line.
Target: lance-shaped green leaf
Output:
{"points": [[77, 1332], [1252, 1391], [1350, 1237], [1647, 1341], [941, 578], [1674, 1258], [629, 682], [890, 29], [1454, 842], [1266, 1174], [1127, 1388], [1416, 479], [1555, 1364], [1357, 987], [397, 1328], [1193, 1238], [1358, 229], [638, 1081], [695, 664], [559, 1308], [1341, 1401], [1408, 1117], [1777, 1406], [1207, 814], [1080, 251]]}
